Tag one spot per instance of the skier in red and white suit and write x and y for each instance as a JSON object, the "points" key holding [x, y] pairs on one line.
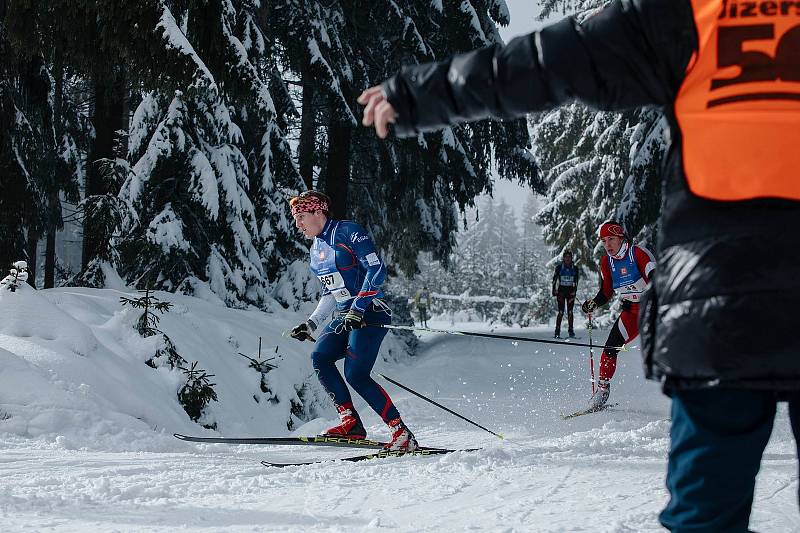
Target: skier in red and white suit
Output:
{"points": [[627, 269]]}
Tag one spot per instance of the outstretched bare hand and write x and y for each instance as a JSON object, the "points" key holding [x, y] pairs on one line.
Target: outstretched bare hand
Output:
{"points": [[377, 110]]}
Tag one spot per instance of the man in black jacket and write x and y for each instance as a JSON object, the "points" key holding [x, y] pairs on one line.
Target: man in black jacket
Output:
{"points": [[727, 75]]}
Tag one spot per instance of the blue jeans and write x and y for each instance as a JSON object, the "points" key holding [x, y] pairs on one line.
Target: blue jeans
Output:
{"points": [[717, 439]]}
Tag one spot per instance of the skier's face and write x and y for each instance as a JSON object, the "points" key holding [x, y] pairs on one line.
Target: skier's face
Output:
{"points": [[612, 244], [567, 259], [310, 224]]}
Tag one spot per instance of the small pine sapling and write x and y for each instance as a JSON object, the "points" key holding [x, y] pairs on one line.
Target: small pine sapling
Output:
{"points": [[196, 393], [173, 358], [147, 326], [262, 366]]}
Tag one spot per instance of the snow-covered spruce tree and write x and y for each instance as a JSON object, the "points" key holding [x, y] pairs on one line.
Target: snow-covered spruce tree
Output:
{"points": [[192, 185], [37, 159], [534, 271], [490, 256], [304, 61], [20, 190], [72, 132], [497, 271], [147, 326], [333, 52], [105, 213], [552, 8], [93, 49], [196, 393], [430, 178], [598, 165], [273, 174], [597, 180]]}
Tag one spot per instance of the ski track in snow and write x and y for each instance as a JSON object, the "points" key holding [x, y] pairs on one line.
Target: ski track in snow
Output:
{"points": [[599, 472]]}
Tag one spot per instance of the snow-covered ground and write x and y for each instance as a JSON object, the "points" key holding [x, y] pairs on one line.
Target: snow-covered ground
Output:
{"points": [[85, 446]]}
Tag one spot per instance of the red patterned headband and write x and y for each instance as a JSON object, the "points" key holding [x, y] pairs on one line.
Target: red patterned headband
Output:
{"points": [[308, 204]]}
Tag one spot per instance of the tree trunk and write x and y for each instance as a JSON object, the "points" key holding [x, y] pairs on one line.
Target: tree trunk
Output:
{"points": [[308, 129], [108, 117], [338, 168], [50, 260], [30, 249], [54, 202]]}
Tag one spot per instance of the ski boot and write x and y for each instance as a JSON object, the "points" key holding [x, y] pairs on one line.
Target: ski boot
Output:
{"points": [[402, 438], [571, 334], [350, 426], [557, 334], [600, 396]]}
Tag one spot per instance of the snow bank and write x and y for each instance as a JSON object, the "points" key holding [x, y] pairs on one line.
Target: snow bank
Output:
{"points": [[73, 372], [28, 315]]}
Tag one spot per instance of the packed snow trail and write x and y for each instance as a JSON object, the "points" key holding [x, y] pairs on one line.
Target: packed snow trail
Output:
{"points": [[600, 472]]}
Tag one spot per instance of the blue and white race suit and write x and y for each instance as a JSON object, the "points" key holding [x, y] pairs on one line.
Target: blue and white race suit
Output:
{"points": [[350, 271]]}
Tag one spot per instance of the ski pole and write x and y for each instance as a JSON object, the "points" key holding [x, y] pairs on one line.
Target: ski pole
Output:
{"points": [[591, 352], [440, 406], [622, 348]]}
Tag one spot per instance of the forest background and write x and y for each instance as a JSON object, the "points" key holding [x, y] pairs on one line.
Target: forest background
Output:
{"points": [[158, 142]]}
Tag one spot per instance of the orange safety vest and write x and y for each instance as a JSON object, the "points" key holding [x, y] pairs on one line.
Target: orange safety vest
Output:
{"points": [[739, 106]]}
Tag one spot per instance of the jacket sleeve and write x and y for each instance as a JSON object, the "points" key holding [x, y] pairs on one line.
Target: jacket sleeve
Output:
{"points": [[645, 261], [606, 290], [630, 53], [323, 311], [367, 255]]}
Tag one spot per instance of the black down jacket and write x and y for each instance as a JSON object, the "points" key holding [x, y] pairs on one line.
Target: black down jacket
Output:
{"points": [[726, 296]]}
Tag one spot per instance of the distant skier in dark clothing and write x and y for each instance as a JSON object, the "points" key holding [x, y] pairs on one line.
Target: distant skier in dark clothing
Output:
{"points": [[423, 302], [726, 75], [565, 287]]}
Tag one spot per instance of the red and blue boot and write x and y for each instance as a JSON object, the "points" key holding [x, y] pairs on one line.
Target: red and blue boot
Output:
{"points": [[402, 438], [350, 426]]}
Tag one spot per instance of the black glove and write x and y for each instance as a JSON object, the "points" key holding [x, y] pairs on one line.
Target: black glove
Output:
{"points": [[588, 306], [302, 332], [354, 319]]}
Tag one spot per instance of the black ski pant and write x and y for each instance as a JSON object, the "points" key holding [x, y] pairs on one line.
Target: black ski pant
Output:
{"points": [[565, 298]]}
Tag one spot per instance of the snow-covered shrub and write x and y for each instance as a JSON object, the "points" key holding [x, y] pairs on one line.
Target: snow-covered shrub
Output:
{"points": [[196, 393], [17, 275]]}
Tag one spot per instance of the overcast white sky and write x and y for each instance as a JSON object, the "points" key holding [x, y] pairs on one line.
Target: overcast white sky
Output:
{"points": [[523, 20]]}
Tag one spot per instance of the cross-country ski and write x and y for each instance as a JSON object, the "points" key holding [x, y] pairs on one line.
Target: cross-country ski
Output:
{"points": [[419, 452], [317, 440], [588, 411]]}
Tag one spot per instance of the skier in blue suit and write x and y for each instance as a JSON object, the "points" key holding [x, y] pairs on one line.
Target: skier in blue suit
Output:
{"points": [[344, 259]]}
